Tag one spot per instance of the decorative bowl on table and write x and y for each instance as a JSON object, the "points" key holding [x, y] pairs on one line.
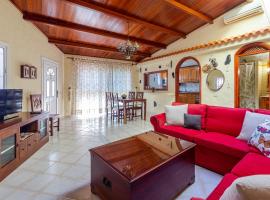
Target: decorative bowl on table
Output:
{"points": [[124, 96]]}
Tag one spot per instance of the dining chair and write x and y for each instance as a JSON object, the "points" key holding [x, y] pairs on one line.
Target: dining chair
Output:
{"points": [[131, 95], [118, 109], [138, 105]]}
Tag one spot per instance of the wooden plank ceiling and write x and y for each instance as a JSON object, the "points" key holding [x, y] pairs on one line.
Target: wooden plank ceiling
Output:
{"points": [[96, 27]]}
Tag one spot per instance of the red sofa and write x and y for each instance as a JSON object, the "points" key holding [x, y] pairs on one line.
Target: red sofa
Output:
{"points": [[217, 147]]}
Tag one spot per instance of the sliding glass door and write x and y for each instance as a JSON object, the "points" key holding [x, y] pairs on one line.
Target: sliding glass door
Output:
{"points": [[92, 79]]}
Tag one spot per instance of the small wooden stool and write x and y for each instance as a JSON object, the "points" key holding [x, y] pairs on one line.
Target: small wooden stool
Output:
{"points": [[54, 122]]}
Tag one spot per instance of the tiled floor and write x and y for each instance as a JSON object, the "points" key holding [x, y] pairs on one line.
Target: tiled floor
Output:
{"points": [[62, 167]]}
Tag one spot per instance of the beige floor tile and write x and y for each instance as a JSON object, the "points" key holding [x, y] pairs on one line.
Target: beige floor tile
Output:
{"points": [[19, 177], [45, 197], [21, 195], [38, 182], [58, 168]]}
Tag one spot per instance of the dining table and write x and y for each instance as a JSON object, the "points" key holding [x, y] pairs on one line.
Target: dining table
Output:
{"points": [[128, 101]]}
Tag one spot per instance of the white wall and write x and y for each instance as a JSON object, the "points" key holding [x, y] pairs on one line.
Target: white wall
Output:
{"points": [[26, 45], [205, 34]]}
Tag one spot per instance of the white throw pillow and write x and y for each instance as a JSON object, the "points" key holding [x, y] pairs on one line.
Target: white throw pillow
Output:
{"points": [[251, 121], [249, 188], [175, 114]]}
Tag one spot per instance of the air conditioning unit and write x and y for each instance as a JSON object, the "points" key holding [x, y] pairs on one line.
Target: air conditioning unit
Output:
{"points": [[245, 11]]}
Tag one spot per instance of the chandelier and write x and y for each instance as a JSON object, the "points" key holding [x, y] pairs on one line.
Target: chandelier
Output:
{"points": [[128, 48]]}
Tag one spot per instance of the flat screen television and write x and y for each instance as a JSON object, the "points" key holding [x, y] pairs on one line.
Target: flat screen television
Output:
{"points": [[10, 103]]}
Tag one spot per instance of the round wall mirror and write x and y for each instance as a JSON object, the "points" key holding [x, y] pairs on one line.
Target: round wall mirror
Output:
{"points": [[215, 80]]}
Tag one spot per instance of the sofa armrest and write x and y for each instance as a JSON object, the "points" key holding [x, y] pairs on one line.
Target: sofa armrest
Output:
{"points": [[158, 120]]}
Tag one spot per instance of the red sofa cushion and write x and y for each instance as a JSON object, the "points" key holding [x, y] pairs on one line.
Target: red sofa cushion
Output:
{"points": [[215, 160], [225, 120], [222, 186], [196, 109], [180, 132], [252, 164], [223, 143]]}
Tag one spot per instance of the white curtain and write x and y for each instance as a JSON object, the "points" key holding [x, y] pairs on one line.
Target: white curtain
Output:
{"points": [[92, 78]]}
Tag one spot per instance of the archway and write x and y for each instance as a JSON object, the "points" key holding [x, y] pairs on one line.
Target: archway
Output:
{"points": [[188, 81], [247, 50]]}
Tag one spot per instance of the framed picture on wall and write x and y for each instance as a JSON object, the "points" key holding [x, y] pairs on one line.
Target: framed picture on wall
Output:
{"points": [[33, 72], [25, 71], [36, 103]]}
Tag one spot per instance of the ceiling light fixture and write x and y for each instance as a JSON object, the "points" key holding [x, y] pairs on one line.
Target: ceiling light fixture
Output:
{"points": [[128, 48]]}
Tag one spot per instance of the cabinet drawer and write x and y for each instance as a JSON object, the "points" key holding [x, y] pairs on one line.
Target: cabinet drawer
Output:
{"points": [[30, 143], [36, 138], [23, 148]]}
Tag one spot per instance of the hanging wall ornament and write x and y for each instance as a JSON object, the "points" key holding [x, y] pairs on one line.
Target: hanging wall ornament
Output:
{"points": [[140, 69], [207, 68], [173, 74], [228, 60], [171, 63], [145, 69], [140, 81], [213, 62], [159, 66]]}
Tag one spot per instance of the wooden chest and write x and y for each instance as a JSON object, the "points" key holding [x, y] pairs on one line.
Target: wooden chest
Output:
{"points": [[147, 166]]}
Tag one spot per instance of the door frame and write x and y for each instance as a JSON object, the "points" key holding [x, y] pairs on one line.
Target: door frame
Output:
{"points": [[5, 47], [177, 69], [44, 59], [243, 51]]}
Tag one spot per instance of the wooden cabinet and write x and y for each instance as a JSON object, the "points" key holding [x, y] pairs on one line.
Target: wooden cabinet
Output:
{"points": [[264, 103], [189, 74], [20, 138], [189, 85], [189, 98]]}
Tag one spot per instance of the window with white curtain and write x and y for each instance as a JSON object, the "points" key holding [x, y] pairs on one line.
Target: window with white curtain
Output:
{"points": [[2, 67], [92, 79]]}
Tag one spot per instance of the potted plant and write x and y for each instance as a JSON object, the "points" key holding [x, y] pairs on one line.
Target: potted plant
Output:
{"points": [[124, 96]]}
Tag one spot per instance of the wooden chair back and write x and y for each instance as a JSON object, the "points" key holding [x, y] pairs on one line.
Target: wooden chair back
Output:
{"points": [[139, 95], [131, 95]]}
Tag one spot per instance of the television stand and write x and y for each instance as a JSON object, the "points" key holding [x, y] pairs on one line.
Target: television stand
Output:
{"points": [[21, 137]]}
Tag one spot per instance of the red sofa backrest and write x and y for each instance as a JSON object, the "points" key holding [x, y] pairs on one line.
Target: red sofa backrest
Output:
{"points": [[196, 109], [225, 120], [262, 111]]}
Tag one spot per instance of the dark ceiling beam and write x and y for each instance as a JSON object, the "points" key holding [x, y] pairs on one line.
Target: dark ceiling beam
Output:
{"points": [[126, 16], [190, 11], [90, 46], [79, 27]]}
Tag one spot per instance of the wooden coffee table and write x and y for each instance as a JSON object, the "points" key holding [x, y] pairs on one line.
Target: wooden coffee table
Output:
{"points": [[147, 166]]}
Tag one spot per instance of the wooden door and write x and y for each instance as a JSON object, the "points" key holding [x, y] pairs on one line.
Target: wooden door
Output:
{"points": [[50, 92]]}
